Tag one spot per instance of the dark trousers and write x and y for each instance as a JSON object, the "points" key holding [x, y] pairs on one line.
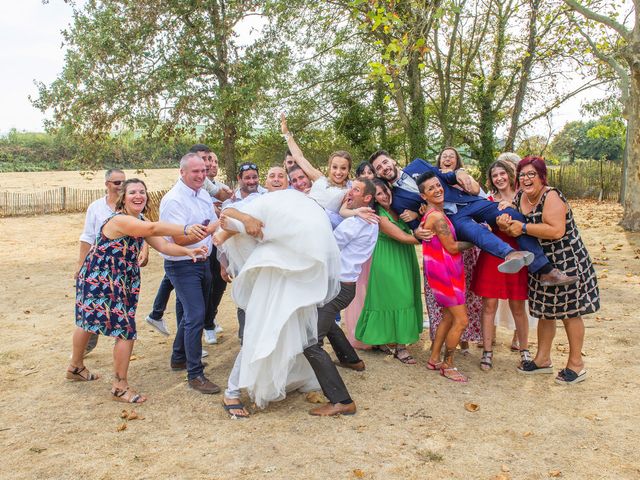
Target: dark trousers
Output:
{"points": [[162, 298], [467, 222], [330, 381], [241, 321], [192, 282], [218, 286]]}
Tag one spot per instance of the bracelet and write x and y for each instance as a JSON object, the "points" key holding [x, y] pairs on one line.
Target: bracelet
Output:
{"points": [[524, 228], [185, 230]]}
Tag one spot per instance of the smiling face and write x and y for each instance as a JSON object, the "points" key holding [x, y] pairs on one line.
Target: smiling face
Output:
{"points": [[432, 191], [529, 181], [448, 160], [339, 170], [194, 172], [114, 184], [135, 198], [276, 179], [500, 179], [249, 182], [385, 168], [299, 180], [383, 197]]}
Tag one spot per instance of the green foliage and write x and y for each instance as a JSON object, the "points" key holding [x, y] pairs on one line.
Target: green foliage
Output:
{"points": [[63, 150], [603, 138]]}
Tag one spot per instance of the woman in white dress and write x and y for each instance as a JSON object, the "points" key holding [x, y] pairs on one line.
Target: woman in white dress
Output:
{"points": [[285, 262]]}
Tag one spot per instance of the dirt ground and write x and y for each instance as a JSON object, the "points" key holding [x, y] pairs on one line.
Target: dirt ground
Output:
{"points": [[411, 423]]}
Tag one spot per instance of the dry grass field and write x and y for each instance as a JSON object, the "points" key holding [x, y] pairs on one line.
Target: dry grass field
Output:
{"points": [[411, 423]]}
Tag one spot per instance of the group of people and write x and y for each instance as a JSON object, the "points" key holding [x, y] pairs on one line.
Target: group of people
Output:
{"points": [[309, 245]]}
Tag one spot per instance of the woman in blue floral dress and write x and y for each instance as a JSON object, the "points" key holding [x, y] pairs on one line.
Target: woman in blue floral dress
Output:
{"points": [[108, 283]]}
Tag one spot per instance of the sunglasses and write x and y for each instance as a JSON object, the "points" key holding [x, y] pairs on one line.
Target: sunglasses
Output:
{"points": [[116, 182], [248, 166]]}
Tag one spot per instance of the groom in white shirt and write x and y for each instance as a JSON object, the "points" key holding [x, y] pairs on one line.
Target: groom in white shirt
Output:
{"points": [[356, 239]]}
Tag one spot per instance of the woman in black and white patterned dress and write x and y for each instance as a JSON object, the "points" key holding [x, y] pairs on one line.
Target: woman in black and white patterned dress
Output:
{"points": [[549, 218]]}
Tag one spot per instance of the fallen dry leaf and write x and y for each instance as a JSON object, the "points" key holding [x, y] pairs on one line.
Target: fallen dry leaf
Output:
{"points": [[124, 414], [132, 416], [471, 407], [121, 427], [315, 397], [133, 357], [358, 473], [555, 473], [527, 434]]}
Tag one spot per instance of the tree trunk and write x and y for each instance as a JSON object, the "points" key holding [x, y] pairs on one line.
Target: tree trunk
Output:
{"points": [[527, 65], [631, 201], [417, 123], [229, 137]]}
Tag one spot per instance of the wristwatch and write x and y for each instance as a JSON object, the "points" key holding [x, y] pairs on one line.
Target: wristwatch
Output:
{"points": [[524, 228]]}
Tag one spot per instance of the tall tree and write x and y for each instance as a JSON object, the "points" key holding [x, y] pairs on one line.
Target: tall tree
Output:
{"points": [[619, 49], [162, 67]]}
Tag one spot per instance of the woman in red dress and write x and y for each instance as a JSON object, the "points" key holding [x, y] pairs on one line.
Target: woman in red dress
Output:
{"points": [[492, 285]]}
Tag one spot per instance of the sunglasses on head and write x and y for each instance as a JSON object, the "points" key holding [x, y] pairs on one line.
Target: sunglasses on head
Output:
{"points": [[248, 166], [116, 182]]}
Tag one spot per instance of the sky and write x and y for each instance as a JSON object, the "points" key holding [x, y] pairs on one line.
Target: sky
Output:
{"points": [[31, 50]]}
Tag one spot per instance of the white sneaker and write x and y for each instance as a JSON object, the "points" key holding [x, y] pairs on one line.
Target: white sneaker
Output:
{"points": [[159, 325], [204, 354], [210, 337], [218, 329]]}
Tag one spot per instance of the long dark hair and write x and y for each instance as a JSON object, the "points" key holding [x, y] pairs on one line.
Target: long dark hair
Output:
{"points": [[123, 193]]}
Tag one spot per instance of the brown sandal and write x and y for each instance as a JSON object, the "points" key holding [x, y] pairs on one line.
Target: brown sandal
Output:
{"points": [[406, 359], [131, 396], [76, 375]]}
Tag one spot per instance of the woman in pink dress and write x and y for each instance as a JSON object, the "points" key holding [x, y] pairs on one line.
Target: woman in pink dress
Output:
{"points": [[444, 272]]}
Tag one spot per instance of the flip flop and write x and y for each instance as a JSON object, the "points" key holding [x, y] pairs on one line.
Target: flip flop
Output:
{"points": [[234, 406]]}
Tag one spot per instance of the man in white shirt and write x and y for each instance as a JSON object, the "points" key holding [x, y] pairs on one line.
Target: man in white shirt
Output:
{"points": [[219, 193], [356, 239], [248, 184], [188, 203], [97, 213]]}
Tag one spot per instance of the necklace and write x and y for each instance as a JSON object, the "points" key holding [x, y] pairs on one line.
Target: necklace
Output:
{"points": [[532, 204]]}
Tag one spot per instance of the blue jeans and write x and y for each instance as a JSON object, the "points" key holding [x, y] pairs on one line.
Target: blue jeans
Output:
{"points": [[192, 282], [162, 298], [467, 222]]}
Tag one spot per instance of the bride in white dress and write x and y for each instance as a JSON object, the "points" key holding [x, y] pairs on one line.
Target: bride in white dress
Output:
{"points": [[280, 279]]}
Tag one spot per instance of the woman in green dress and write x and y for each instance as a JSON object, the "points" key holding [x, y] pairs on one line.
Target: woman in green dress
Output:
{"points": [[392, 312]]}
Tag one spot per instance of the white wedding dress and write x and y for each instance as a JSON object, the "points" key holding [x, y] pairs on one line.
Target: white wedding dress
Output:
{"points": [[279, 281]]}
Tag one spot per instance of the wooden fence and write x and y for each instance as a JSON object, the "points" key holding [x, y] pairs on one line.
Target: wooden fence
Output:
{"points": [[61, 200], [596, 180]]}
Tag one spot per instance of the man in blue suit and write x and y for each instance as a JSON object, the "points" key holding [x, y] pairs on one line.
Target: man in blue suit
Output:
{"points": [[467, 212]]}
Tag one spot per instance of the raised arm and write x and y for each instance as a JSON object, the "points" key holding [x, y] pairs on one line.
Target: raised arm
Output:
{"points": [[312, 172]]}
